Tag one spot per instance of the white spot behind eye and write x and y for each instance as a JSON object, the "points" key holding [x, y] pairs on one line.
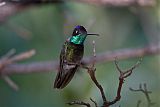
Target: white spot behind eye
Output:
{"points": [[76, 31]]}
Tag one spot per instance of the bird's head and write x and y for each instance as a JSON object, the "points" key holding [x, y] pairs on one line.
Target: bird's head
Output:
{"points": [[79, 35]]}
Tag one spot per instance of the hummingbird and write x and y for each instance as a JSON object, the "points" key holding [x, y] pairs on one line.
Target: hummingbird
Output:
{"points": [[70, 56]]}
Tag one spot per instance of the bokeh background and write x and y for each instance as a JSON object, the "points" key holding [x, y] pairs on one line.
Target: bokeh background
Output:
{"points": [[45, 28]]}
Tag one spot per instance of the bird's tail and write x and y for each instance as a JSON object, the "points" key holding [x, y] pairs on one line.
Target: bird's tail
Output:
{"points": [[62, 79]]}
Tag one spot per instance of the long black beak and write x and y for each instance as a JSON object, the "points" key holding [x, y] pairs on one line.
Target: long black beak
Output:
{"points": [[93, 34]]}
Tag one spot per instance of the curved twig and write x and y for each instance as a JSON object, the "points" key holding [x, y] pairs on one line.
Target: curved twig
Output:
{"points": [[145, 91], [79, 103]]}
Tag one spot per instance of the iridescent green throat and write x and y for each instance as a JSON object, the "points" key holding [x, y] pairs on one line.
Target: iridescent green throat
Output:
{"points": [[78, 39]]}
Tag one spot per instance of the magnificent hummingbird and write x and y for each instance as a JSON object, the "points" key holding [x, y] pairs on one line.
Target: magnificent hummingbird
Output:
{"points": [[70, 56]]}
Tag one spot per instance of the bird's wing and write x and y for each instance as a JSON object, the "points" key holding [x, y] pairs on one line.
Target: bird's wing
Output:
{"points": [[66, 70]]}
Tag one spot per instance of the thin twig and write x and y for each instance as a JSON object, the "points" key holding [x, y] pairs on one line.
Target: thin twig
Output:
{"points": [[94, 54], [123, 75], [9, 54], [9, 59], [94, 102], [145, 91], [6, 57], [22, 56], [126, 73], [6, 78], [92, 75], [91, 72], [10, 82], [79, 103]]}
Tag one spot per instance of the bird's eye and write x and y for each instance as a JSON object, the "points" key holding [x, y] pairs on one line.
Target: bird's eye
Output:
{"points": [[75, 32]]}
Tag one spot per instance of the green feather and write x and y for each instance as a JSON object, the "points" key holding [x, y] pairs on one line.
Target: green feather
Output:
{"points": [[78, 39]]}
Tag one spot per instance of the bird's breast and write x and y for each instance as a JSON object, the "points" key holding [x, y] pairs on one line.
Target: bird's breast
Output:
{"points": [[74, 53]]}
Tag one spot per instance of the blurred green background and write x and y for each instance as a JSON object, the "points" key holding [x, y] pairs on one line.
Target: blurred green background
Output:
{"points": [[45, 28]]}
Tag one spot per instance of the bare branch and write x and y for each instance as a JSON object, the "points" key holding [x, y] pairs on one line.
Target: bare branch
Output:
{"points": [[47, 66], [123, 75], [2, 65], [91, 72], [12, 84], [145, 91], [22, 56], [94, 54], [9, 54], [79, 103], [94, 102], [8, 59]]}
